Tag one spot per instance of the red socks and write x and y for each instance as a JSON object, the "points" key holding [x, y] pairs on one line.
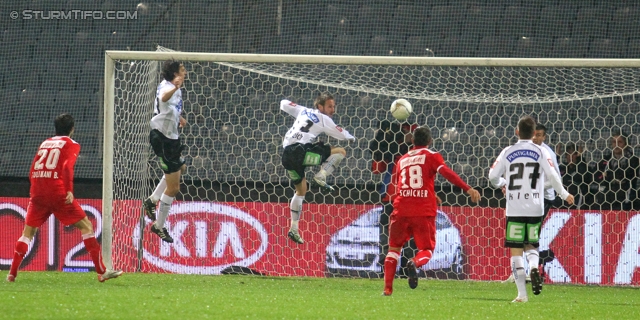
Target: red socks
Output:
{"points": [[422, 258], [390, 266], [90, 242], [93, 247], [21, 250]]}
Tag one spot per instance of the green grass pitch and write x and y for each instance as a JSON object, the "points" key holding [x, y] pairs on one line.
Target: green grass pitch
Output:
{"points": [[56, 295]]}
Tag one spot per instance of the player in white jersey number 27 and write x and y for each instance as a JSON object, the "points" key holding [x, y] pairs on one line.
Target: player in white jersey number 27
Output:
{"points": [[301, 150], [523, 169]]}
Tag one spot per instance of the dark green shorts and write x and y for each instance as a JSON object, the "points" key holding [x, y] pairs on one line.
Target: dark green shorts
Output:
{"points": [[521, 231], [169, 151], [297, 157]]}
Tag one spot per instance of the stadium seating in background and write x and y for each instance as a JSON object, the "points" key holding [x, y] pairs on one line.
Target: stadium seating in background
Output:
{"points": [[418, 46], [625, 23], [519, 21], [445, 21], [338, 20], [633, 48], [86, 46], [481, 21], [555, 22], [91, 76], [372, 19], [461, 46], [383, 46], [493, 46], [300, 17], [348, 45], [526, 47], [570, 47], [606, 48], [409, 21], [592, 21]]}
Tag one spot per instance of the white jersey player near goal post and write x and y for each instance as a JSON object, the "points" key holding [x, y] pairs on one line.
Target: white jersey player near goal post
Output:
{"points": [[165, 141], [301, 150], [518, 168]]}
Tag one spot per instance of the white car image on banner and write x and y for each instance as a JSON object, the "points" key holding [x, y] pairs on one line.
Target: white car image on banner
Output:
{"points": [[355, 249]]}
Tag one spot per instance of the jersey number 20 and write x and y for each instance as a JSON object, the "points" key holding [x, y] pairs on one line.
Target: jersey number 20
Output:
{"points": [[52, 159]]}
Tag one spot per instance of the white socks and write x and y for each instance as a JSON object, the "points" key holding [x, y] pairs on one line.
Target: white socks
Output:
{"points": [[332, 162], [165, 205], [25, 240], [533, 257], [157, 194], [296, 211], [517, 265]]}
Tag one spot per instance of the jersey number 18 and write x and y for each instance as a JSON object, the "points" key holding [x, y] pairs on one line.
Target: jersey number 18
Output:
{"points": [[415, 177]]}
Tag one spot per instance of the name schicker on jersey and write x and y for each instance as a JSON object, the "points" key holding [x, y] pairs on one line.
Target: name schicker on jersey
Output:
{"points": [[415, 175]]}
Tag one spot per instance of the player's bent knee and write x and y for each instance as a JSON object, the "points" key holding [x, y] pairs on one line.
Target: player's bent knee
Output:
{"points": [[84, 226], [339, 150]]}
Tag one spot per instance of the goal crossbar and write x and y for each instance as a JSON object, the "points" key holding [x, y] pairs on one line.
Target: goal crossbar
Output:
{"points": [[376, 60]]}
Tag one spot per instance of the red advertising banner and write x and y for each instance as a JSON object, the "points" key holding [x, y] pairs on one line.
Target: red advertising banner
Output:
{"points": [[55, 246], [590, 247], [599, 247]]}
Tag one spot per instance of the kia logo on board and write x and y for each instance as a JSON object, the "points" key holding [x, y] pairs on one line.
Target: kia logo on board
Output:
{"points": [[208, 237]]}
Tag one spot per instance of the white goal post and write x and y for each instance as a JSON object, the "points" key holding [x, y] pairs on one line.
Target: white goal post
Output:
{"points": [[470, 103]]}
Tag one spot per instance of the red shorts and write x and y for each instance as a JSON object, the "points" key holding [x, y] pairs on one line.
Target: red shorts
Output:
{"points": [[40, 208], [423, 230]]}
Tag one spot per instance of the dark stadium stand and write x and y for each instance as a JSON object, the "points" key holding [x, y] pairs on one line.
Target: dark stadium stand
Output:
{"points": [[61, 64]]}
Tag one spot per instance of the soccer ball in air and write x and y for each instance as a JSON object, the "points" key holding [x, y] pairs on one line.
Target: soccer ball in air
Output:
{"points": [[401, 109]]}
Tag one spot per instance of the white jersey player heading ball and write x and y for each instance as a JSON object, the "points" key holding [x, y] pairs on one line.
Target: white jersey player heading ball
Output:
{"points": [[301, 150]]}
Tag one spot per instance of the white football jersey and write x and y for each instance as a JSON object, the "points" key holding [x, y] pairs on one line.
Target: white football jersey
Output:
{"points": [[166, 117], [523, 168], [309, 124], [549, 193]]}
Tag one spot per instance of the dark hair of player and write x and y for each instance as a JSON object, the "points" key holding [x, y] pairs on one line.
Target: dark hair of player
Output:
{"points": [[422, 137], [322, 98], [526, 127], [170, 68], [541, 126], [64, 123]]}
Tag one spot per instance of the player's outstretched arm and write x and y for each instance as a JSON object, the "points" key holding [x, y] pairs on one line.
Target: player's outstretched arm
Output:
{"points": [[454, 178], [497, 171], [334, 130], [290, 107]]}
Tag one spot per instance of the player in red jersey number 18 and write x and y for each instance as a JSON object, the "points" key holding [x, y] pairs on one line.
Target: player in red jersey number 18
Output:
{"points": [[415, 204]]}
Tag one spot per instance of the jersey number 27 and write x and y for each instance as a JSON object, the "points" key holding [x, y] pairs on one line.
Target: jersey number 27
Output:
{"points": [[514, 178]]}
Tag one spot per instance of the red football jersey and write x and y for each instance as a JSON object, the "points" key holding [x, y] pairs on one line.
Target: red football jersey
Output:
{"points": [[52, 167], [414, 175]]}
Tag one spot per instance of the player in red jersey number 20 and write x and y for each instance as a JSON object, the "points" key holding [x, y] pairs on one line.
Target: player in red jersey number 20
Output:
{"points": [[51, 191]]}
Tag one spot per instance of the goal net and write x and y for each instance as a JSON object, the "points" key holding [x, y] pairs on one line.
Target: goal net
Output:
{"points": [[232, 214]]}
